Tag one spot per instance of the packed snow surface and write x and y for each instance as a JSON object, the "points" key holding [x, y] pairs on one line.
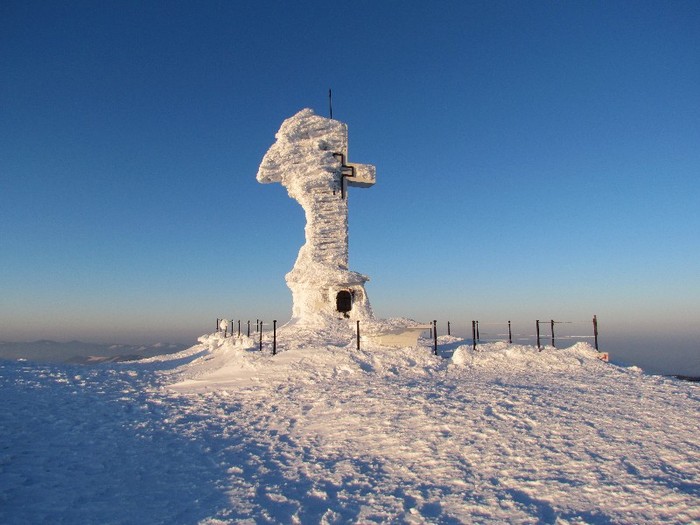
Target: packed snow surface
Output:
{"points": [[324, 433]]}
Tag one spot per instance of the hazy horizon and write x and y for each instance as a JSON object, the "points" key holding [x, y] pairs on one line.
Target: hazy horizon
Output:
{"points": [[654, 354]]}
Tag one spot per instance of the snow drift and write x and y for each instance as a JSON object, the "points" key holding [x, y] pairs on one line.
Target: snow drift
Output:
{"points": [[322, 433]]}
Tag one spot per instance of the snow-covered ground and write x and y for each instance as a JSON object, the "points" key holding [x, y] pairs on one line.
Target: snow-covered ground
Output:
{"points": [[324, 433]]}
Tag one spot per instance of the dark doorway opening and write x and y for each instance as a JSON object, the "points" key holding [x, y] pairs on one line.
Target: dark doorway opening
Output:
{"points": [[343, 301]]}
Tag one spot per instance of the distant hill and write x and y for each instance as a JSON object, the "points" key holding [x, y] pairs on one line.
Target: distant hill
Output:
{"points": [[695, 379], [81, 352], [96, 359]]}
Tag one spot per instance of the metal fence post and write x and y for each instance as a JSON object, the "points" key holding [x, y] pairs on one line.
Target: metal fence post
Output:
{"points": [[552, 322], [595, 331], [274, 337], [449, 332], [510, 334], [474, 335], [435, 337], [260, 327], [358, 335], [537, 325]]}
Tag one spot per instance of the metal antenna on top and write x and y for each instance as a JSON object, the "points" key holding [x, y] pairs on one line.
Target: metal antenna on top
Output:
{"points": [[330, 102]]}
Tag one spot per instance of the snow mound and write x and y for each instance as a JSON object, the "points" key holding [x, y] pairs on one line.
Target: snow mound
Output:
{"points": [[502, 355], [221, 362], [225, 362]]}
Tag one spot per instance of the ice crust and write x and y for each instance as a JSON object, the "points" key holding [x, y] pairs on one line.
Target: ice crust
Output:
{"points": [[302, 160]]}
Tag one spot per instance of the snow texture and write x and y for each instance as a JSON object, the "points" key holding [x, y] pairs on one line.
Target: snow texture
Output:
{"points": [[324, 433]]}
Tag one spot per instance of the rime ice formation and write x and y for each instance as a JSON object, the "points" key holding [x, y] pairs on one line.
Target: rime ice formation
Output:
{"points": [[309, 158]]}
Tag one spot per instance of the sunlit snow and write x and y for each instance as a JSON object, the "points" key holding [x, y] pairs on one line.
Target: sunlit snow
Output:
{"points": [[224, 433]]}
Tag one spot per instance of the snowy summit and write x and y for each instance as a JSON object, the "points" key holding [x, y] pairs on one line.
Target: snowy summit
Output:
{"points": [[225, 434], [310, 159], [230, 431]]}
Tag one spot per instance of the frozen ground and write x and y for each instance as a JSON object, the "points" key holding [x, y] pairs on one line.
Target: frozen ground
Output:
{"points": [[221, 433]]}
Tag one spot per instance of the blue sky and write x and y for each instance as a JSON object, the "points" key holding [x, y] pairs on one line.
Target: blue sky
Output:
{"points": [[534, 160]]}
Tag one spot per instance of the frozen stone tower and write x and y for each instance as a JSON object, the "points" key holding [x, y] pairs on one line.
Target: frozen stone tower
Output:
{"points": [[310, 159]]}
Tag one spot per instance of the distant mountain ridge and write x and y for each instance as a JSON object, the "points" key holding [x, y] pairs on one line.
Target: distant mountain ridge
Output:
{"points": [[45, 350], [95, 359], [694, 379]]}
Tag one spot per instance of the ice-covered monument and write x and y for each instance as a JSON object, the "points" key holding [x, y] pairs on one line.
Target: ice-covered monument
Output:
{"points": [[310, 159]]}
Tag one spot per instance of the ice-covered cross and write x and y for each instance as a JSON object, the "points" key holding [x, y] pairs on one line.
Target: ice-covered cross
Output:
{"points": [[309, 158]]}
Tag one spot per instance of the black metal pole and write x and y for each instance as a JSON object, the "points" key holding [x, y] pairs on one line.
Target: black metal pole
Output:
{"points": [[248, 328], [239, 328], [478, 337], [274, 337], [217, 324], [449, 332], [510, 334], [358, 335], [474, 334], [552, 323], [260, 326], [595, 331], [537, 324], [330, 102], [435, 337], [257, 325]]}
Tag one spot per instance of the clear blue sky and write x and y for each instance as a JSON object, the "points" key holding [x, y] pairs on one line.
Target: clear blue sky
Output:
{"points": [[534, 160]]}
